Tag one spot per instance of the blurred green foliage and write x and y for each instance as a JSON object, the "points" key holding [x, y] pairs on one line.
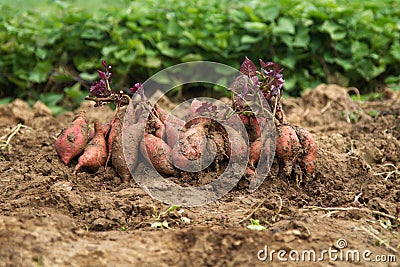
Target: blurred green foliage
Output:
{"points": [[57, 49]]}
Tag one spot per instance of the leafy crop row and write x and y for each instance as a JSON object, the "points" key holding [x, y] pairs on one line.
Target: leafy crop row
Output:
{"points": [[355, 43]]}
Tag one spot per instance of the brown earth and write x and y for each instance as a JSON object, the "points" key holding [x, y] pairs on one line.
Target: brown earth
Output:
{"points": [[50, 217]]}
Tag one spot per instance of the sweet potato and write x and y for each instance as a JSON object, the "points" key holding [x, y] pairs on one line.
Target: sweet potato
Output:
{"points": [[219, 141], [105, 128], [309, 149], [111, 135], [249, 172], [171, 126], [236, 145], [72, 141], [126, 142], [255, 151], [95, 153], [192, 142], [254, 127], [287, 147], [157, 153], [244, 118], [116, 151], [158, 127], [172, 131]]}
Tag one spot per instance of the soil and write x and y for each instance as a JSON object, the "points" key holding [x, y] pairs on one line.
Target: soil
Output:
{"points": [[50, 217]]}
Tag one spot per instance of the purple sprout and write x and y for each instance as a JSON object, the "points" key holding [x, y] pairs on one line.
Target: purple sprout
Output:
{"points": [[269, 80], [101, 92], [102, 88]]}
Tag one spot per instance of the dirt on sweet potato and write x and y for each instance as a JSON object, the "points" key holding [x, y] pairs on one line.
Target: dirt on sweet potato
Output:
{"points": [[95, 153], [72, 141]]}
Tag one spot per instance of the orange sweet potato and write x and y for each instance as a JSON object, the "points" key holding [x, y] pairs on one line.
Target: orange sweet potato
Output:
{"points": [[236, 145], [72, 141], [95, 153], [255, 151], [157, 153], [309, 149], [128, 133], [105, 128], [288, 147], [112, 134], [192, 142], [172, 131]]}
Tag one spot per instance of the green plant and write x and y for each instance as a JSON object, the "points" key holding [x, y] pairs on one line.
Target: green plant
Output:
{"points": [[161, 220], [48, 49], [255, 225]]}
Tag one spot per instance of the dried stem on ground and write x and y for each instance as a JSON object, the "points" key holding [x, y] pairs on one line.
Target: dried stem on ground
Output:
{"points": [[5, 140]]}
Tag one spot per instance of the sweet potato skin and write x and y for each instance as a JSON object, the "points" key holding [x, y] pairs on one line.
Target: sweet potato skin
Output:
{"points": [[105, 128], [234, 137], [72, 141], [309, 149], [255, 152], [95, 153], [172, 132], [157, 153], [288, 147], [190, 147], [117, 153]]}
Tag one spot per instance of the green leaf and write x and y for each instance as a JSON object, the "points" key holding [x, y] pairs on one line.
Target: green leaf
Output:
{"points": [[152, 62], [5, 101], [395, 50], [254, 26], [56, 110], [50, 99], [255, 225], [333, 29], [166, 50], [366, 16], [302, 38], [172, 208], [268, 13], [248, 39], [89, 76], [368, 70], [285, 25], [41, 72], [75, 93], [346, 64], [191, 57]]}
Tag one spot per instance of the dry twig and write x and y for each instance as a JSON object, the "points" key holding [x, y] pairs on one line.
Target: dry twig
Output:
{"points": [[5, 140], [333, 210]]}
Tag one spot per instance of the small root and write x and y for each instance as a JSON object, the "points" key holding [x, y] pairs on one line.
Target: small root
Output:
{"points": [[333, 210], [387, 174], [259, 205], [5, 140]]}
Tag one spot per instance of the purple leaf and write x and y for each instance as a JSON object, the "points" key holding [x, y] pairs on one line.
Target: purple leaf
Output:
{"points": [[102, 75], [267, 64], [104, 63], [248, 68], [136, 87]]}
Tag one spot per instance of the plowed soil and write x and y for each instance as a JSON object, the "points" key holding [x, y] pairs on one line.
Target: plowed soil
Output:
{"points": [[51, 217]]}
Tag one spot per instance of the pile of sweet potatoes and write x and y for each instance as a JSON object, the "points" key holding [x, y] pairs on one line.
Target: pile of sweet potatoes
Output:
{"points": [[175, 146]]}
